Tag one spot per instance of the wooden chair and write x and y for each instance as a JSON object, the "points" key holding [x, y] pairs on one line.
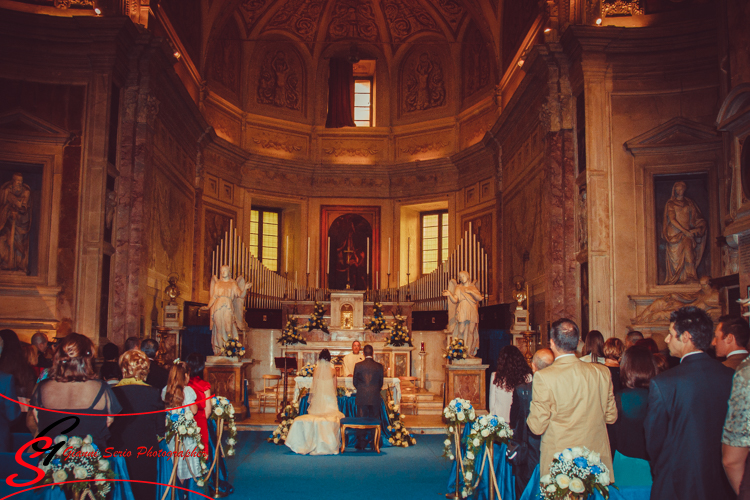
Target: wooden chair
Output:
{"points": [[270, 392], [409, 394]]}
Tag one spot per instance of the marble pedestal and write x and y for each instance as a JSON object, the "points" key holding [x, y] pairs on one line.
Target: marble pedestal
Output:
{"points": [[225, 376], [466, 381]]}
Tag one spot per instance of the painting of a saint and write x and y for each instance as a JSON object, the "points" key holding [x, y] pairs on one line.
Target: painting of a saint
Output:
{"points": [[349, 235], [19, 211]]}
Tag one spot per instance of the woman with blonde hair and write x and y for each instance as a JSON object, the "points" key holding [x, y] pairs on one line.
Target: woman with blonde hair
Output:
{"points": [[613, 349], [133, 432]]}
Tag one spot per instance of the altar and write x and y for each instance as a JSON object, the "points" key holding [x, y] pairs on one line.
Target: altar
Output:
{"points": [[396, 361], [391, 383]]}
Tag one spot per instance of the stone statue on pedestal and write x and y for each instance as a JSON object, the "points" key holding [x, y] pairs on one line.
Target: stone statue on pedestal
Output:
{"points": [[463, 311], [227, 307]]}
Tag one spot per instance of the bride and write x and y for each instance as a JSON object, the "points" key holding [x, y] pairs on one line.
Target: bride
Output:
{"points": [[318, 432]]}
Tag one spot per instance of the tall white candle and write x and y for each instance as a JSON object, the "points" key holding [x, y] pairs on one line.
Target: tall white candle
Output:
{"points": [[408, 252], [308, 255], [367, 263], [328, 257], [316, 278], [286, 255], [389, 256]]}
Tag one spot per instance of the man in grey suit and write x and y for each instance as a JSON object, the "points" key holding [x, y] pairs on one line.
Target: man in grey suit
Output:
{"points": [[368, 380]]}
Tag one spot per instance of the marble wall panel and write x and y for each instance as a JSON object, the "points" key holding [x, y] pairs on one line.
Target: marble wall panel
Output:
{"points": [[473, 129]]}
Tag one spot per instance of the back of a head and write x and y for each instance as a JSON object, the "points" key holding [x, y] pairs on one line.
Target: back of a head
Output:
{"points": [[131, 343], [110, 371], [695, 321], [325, 355], [649, 344], [512, 369], [135, 364], [632, 337], [31, 353], [73, 359], [150, 347], [565, 333], [613, 349], [38, 338], [594, 344], [367, 350], [638, 367], [175, 393], [734, 325], [110, 352], [543, 358], [196, 363], [13, 359]]}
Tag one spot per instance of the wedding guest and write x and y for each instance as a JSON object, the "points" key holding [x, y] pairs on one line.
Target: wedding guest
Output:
{"points": [[110, 374], [157, 376], [40, 341], [178, 393], [72, 386], [131, 343], [636, 371], [661, 362], [649, 344], [512, 370], [572, 401], [735, 439], [632, 337], [14, 361], [686, 409], [353, 358], [730, 340], [593, 349], [9, 411], [130, 432], [528, 450], [32, 357], [196, 363], [612, 350], [110, 369]]}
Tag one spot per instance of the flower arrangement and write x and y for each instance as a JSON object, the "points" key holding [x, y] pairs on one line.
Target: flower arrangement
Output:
{"points": [[455, 350], [377, 324], [181, 423], [486, 429], [79, 459], [575, 473], [316, 321], [290, 335], [458, 411], [222, 409], [399, 332], [233, 347], [291, 411], [401, 436], [307, 370]]}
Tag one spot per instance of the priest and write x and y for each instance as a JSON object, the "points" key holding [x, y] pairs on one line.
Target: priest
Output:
{"points": [[353, 358]]}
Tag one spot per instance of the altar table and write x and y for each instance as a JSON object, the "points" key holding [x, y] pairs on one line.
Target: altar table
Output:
{"points": [[388, 383]]}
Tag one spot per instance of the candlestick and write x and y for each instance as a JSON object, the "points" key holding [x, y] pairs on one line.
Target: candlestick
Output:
{"points": [[328, 257], [408, 252], [316, 278], [367, 264], [389, 257], [422, 348], [308, 255]]}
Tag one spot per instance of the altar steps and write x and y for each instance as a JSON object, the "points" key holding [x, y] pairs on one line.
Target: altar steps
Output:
{"points": [[417, 424]]}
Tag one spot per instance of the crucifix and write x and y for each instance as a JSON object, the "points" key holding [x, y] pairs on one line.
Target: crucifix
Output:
{"points": [[349, 252]]}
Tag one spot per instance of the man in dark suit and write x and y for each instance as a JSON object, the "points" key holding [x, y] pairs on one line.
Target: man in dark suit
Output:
{"points": [[368, 380], [157, 376], [686, 409], [529, 443], [9, 411]]}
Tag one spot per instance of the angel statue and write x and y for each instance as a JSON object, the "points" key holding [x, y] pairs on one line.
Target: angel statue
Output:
{"points": [[463, 310], [226, 306]]}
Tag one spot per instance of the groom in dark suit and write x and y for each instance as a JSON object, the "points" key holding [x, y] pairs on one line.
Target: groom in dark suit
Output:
{"points": [[368, 380]]}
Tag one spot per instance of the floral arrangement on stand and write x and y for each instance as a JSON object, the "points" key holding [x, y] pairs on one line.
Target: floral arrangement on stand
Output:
{"points": [[399, 332], [487, 429], [233, 348], [575, 473], [401, 436], [307, 370], [223, 410], [459, 411], [85, 462], [316, 321], [455, 350], [181, 423], [377, 324], [291, 411], [290, 335]]}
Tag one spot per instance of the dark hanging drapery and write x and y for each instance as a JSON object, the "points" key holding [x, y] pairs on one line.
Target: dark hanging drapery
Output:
{"points": [[340, 88]]}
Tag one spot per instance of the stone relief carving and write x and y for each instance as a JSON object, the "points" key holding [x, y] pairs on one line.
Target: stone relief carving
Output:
{"points": [[343, 151], [66, 4], [299, 16], [353, 19], [684, 232], [268, 143], [622, 8], [452, 12], [583, 237], [425, 147], [659, 310], [278, 84], [476, 63], [425, 88], [149, 110], [405, 18], [170, 233], [251, 10], [109, 208]]}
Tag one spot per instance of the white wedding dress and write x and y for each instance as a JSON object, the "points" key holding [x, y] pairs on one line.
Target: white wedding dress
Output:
{"points": [[318, 432]]}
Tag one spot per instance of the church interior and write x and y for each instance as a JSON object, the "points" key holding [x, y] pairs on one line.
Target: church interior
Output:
{"points": [[325, 149]]}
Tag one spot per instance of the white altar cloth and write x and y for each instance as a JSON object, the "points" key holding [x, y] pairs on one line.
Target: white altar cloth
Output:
{"points": [[347, 382]]}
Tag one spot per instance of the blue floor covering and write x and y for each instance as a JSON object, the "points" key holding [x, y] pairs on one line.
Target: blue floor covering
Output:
{"points": [[261, 470]]}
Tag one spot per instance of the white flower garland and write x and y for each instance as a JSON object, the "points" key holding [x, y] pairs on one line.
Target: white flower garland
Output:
{"points": [[222, 409], [458, 412], [485, 431], [181, 423], [84, 461]]}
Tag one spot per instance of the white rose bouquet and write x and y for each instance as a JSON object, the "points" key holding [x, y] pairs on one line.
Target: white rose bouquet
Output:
{"points": [[82, 462], [486, 429], [401, 436], [307, 370], [223, 410], [575, 473], [181, 423], [291, 411], [459, 411]]}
